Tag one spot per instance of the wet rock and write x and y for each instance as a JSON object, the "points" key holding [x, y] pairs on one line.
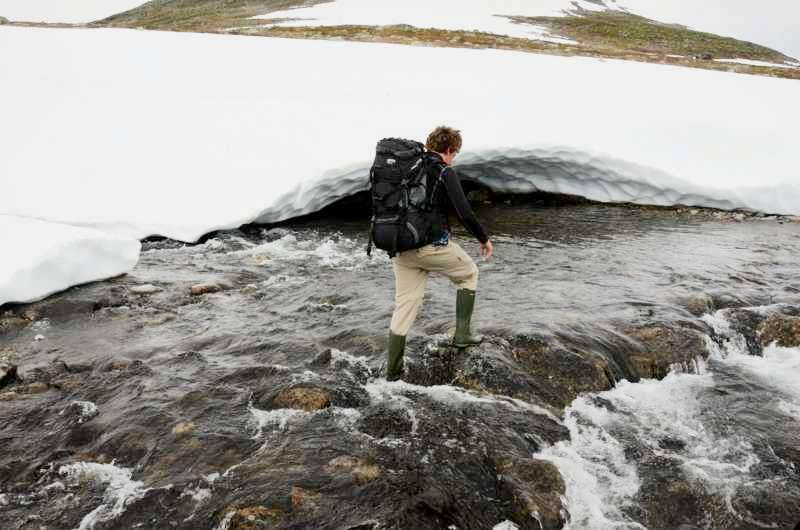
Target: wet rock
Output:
{"points": [[663, 478], [302, 397], [781, 329], [660, 347], [747, 323], [8, 374], [429, 364], [559, 374], [145, 289], [535, 488], [256, 518], [700, 304], [775, 505], [205, 288], [384, 421], [323, 359], [311, 392]]}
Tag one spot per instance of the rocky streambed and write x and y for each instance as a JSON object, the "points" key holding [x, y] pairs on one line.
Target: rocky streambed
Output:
{"points": [[640, 370]]}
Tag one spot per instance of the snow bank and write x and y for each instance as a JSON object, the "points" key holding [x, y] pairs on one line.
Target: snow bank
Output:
{"points": [[70, 11], [775, 23], [474, 15], [41, 258], [140, 133], [750, 62]]}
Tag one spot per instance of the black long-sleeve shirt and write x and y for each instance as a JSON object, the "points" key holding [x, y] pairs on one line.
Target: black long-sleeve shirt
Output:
{"points": [[448, 193]]}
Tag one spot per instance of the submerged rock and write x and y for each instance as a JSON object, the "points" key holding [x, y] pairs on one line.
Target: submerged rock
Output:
{"points": [[255, 518], [700, 304], [361, 470], [305, 398], [661, 348], [145, 289], [205, 288]]}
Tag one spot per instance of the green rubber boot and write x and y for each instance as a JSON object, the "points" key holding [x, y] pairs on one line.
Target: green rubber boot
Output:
{"points": [[465, 303], [394, 361]]}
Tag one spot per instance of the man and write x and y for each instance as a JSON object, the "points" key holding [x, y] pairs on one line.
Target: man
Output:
{"points": [[443, 255]]}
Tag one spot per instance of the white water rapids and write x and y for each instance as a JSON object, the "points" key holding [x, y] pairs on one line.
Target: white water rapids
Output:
{"points": [[602, 480]]}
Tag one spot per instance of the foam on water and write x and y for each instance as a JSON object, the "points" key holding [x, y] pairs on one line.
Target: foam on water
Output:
{"points": [[777, 367], [277, 419], [121, 489], [86, 410], [225, 524], [283, 280], [344, 253], [382, 390], [505, 525], [601, 480]]}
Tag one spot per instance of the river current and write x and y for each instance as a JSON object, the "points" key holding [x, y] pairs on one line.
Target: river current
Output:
{"points": [[236, 383]]}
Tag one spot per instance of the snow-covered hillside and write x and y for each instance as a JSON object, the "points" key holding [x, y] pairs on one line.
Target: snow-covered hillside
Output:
{"points": [[478, 15], [775, 23], [139, 133], [70, 11]]}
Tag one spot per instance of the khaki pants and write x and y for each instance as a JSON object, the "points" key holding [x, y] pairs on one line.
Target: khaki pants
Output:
{"points": [[411, 270]]}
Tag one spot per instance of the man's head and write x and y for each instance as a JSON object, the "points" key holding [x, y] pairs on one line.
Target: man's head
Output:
{"points": [[446, 141]]}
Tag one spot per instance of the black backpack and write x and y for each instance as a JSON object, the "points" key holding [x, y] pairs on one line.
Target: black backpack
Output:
{"points": [[401, 202]]}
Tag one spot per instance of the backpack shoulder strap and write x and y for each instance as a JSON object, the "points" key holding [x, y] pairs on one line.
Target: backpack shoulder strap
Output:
{"points": [[440, 168]]}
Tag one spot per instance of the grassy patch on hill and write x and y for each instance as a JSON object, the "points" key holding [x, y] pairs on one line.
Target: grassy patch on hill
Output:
{"points": [[199, 15], [622, 31]]}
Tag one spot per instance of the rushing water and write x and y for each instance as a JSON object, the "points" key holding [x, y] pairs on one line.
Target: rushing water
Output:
{"points": [[167, 410]]}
